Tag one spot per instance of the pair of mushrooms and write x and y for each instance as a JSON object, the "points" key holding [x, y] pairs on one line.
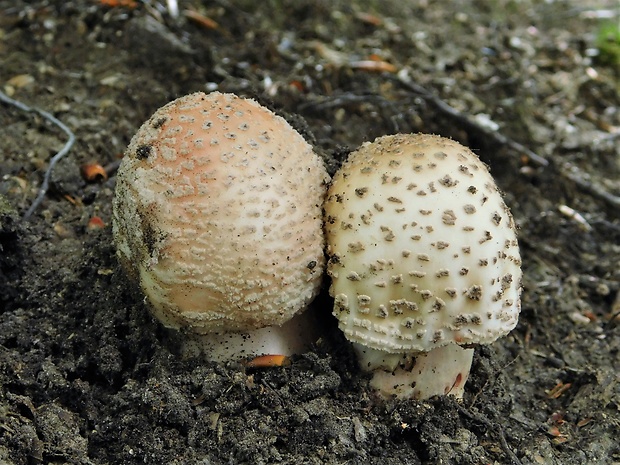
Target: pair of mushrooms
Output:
{"points": [[222, 211]]}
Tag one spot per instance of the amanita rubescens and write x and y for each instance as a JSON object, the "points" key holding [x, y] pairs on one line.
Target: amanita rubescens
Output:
{"points": [[424, 261], [218, 215]]}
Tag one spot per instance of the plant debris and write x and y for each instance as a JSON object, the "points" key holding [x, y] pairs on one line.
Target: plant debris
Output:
{"points": [[88, 377]]}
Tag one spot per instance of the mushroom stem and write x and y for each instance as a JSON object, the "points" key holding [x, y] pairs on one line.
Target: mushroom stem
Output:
{"points": [[420, 375], [293, 337]]}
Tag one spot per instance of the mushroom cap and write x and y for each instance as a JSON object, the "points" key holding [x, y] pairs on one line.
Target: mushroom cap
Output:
{"points": [[422, 249], [217, 212]]}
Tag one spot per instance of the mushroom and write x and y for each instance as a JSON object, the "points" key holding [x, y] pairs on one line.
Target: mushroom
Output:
{"points": [[424, 262], [218, 215]]}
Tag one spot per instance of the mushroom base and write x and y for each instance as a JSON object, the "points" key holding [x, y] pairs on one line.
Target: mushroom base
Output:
{"points": [[441, 371], [293, 337]]}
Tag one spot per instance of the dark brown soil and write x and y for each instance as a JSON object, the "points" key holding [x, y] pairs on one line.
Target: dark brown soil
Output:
{"points": [[87, 376]]}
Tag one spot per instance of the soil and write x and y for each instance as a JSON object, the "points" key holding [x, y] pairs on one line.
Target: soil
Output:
{"points": [[88, 377]]}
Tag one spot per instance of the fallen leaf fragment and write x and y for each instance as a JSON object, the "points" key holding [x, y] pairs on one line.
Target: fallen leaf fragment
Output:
{"points": [[200, 19], [114, 3], [95, 223], [557, 390], [93, 172], [269, 361], [373, 65]]}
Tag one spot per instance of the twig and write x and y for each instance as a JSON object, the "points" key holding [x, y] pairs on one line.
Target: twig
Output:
{"points": [[341, 100], [479, 417], [572, 172], [55, 159], [349, 98], [466, 121], [568, 171]]}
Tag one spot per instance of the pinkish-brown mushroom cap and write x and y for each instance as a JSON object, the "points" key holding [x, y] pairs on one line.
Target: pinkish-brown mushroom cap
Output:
{"points": [[218, 214]]}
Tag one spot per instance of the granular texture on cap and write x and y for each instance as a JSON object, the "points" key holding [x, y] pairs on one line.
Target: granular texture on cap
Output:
{"points": [[217, 213], [423, 250]]}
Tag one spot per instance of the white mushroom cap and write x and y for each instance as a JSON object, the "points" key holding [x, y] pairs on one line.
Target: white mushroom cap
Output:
{"points": [[218, 213], [423, 250]]}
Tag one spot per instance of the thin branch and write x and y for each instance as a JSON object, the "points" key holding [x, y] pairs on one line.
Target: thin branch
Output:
{"points": [[573, 173], [492, 426], [466, 121], [567, 171], [55, 159]]}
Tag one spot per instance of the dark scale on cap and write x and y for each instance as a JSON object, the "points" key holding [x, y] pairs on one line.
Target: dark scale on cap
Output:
{"points": [[426, 294], [159, 122], [448, 217], [143, 152], [469, 209], [487, 237], [474, 292], [417, 273], [361, 191], [460, 320], [465, 170], [382, 312], [447, 181], [355, 247]]}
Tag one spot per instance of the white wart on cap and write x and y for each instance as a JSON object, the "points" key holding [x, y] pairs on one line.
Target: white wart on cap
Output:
{"points": [[218, 214], [423, 256]]}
